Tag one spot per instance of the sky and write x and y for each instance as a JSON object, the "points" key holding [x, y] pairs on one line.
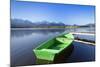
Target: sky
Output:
{"points": [[66, 13]]}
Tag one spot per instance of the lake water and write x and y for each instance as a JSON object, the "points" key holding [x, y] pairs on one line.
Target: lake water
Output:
{"points": [[24, 41]]}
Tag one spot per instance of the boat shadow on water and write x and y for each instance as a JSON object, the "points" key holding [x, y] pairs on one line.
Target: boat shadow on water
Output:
{"points": [[59, 58]]}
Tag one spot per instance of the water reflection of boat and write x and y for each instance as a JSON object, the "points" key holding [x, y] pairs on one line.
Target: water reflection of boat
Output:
{"points": [[54, 48]]}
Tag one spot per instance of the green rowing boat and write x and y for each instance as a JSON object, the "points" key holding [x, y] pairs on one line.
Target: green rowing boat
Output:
{"points": [[53, 47]]}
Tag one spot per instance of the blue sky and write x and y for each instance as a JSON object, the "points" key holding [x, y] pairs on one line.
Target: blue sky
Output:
{"points": [[66, 13]]}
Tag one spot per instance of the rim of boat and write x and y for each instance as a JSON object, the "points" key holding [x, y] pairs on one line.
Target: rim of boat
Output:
{"points": [[49, 40]]}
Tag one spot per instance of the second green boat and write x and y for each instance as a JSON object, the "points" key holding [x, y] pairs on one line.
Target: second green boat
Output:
{"points": [[53, 47]]}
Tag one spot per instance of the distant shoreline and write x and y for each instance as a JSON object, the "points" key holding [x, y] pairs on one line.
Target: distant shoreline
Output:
{"points": [[52, 29], [33, 28], [47, 28]]}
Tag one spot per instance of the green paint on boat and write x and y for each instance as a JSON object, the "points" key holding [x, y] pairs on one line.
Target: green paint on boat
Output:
{"points": [[49, 49]]}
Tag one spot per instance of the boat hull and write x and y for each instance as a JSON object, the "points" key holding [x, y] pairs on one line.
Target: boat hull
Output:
{"points": [[55, 48], [58, 58]]}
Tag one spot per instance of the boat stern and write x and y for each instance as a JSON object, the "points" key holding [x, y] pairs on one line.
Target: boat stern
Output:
{"points": [[45, 54]]}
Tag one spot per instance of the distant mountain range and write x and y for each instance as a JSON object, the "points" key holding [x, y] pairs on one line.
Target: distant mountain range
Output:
{"points": [[19, 23]]}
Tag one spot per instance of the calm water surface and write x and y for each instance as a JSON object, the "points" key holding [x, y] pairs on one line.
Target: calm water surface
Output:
{"points": [[24, 41]]}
